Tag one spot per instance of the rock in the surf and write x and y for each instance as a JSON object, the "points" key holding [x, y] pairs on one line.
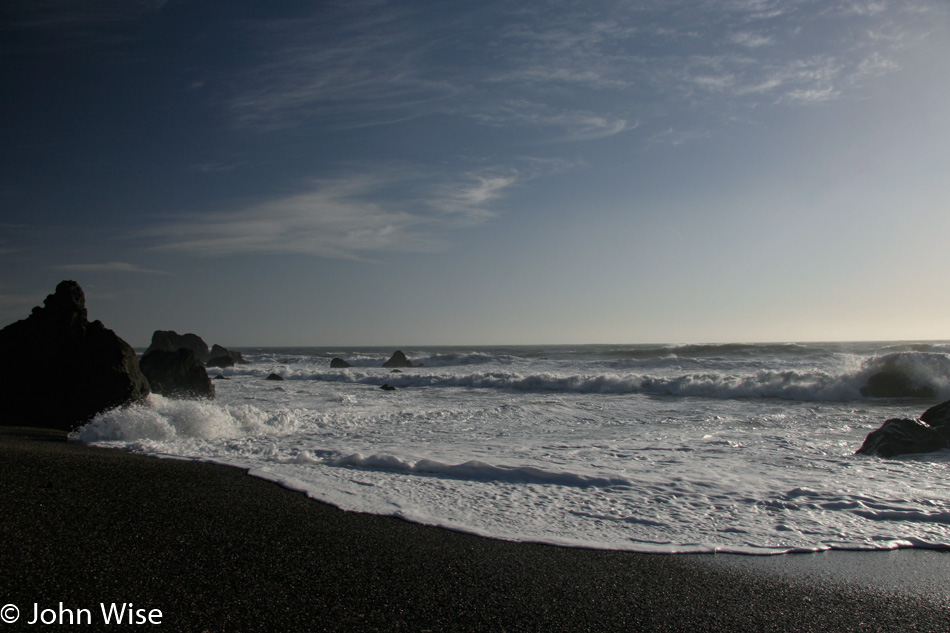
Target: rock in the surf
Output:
{"points": [[223, 357], [59, 370], [171, 341], [177, 374], [221, 362], [339, 363], [398, 359], [388, 387], [938, 415], [274, 377], [903, 436]]}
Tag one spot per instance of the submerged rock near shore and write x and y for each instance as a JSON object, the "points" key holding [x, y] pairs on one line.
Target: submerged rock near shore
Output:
{"points": [[59, 370], [930, 432]]}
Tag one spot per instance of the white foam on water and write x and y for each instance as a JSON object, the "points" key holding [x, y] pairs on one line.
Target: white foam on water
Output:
{"points": [[165, 419], [753, 454]]}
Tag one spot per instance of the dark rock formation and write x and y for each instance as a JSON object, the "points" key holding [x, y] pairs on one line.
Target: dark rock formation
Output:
{"points": [[170, 341], [339, 363], [223, 357], [902, 436], [388, 387], [937, 416], [395, 371], [274, 377], [398, 359], [220, 361], [221, 377], [931, 432], [59, 370], [177, 374]]}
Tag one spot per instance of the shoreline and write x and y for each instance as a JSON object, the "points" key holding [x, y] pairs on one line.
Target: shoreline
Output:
{"points": [[216, 549]]}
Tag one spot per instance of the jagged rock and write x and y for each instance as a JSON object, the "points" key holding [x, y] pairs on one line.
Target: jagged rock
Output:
{"points": [[59, 370], [274, 377], [902, 436], [221, 377], [388, 387], [398, 359], [339, 363], [171, 341], [177, 374]]}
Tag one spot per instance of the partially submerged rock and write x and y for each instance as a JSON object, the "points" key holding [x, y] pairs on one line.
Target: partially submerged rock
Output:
{"points": [[274, 377], [223, 357], [339, 363], [937, 415], [398, 359], [59, 370], [221, 362], [177, 374], [931, 432]]}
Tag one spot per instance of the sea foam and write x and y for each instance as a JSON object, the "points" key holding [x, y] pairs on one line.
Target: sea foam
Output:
{"points": [[722, 448], [162, 419]]}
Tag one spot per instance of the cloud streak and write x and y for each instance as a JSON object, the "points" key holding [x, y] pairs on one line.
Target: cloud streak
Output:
{"points": [[345, 218], [562, 72], [110, 267]]}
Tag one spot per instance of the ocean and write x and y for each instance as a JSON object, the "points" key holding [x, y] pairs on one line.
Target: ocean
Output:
{"points": [[741, 448]]}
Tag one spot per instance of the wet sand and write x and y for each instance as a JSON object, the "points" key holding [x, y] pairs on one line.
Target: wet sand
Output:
{"points": [[216, 550]]}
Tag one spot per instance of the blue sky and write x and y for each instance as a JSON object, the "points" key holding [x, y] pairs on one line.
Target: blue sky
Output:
{"points": [[409, 173]]}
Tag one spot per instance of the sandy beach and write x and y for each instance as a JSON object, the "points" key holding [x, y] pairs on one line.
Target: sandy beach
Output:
{"points": [[212, 549]]}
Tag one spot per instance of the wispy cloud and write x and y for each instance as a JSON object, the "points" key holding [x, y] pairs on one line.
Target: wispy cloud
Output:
{"points": [[345, 66], [564, 72], [110, 267], [345, 218]]}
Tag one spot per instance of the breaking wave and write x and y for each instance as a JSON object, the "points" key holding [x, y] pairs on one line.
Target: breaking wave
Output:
{"points": [[163, 419]]}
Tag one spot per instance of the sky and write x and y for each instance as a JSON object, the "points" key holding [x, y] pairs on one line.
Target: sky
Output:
{"points": [[421, 172]]}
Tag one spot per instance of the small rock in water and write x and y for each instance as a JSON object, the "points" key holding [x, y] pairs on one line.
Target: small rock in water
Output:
{"points": [[274, 377], [388, 387], [339, 363]]}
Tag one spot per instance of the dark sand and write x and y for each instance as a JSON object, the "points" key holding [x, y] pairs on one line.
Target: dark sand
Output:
{"points": [[217, 550]]}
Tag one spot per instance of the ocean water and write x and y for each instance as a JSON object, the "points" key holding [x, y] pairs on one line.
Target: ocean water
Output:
{"points": [[691, 448]]}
